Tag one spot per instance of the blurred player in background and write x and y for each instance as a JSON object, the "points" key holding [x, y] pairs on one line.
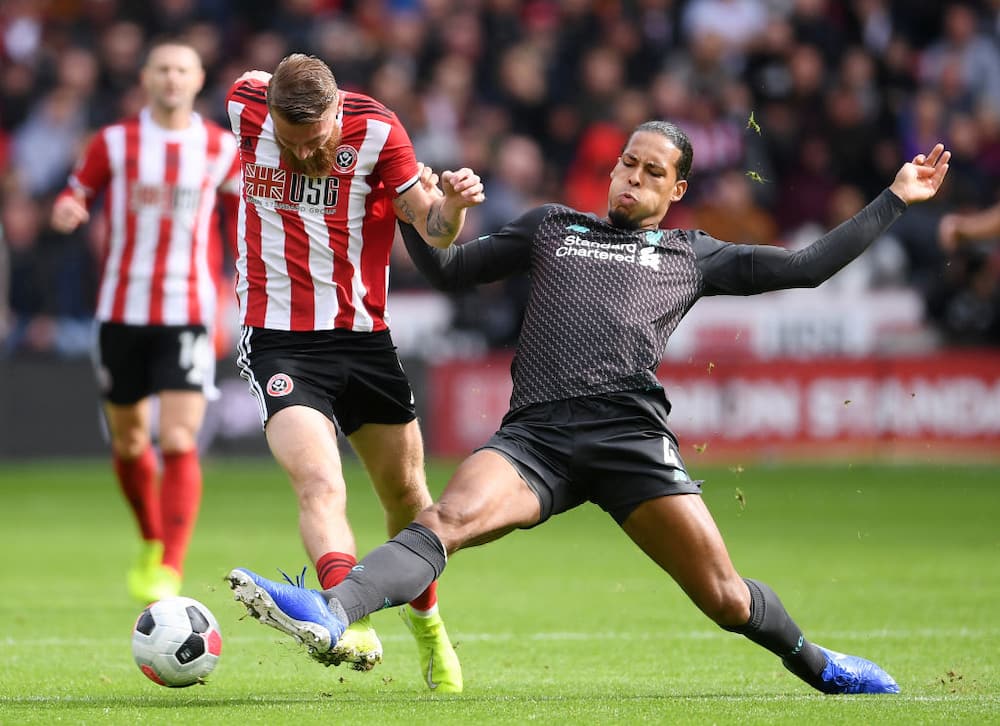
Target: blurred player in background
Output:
{"points": [[326, 172], [160, 173], [588, 418]]}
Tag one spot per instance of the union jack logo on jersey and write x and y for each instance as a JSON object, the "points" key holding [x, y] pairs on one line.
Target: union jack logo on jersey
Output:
{"points": [[264, 182]]}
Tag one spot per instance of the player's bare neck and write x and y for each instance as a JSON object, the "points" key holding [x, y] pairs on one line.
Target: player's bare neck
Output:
{"points": [[171, 119]]}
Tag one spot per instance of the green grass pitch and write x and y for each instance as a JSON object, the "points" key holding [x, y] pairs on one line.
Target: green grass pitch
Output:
{"points": [[567, 623]]}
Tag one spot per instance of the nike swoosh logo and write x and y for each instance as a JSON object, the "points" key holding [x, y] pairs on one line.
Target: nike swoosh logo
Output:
{"points": [[430, 673]]}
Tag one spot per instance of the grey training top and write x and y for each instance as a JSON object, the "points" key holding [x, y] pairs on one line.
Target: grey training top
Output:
{"points": [[605, 300]]}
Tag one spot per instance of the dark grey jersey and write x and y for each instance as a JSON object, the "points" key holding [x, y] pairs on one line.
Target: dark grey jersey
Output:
{"points": [[605, 300]]}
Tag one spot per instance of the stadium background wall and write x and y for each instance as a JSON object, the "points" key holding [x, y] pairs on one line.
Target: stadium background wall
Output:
{"points": [[944, 405]]}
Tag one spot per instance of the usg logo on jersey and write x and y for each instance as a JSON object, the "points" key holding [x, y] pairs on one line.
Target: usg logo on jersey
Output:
{"points": [[346, 158], [648, 257], [279, 385]]}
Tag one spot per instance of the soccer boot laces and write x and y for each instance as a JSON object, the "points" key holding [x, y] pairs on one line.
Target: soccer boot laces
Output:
{"points": [[291, 608]]}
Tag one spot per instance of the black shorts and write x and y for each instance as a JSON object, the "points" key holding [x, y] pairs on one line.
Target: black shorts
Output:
{"points": [[351, 378], [614, 450], [136, 361]]}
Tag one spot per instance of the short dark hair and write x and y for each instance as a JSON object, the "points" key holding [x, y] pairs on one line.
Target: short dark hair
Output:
{"points": [[301, 89], [676, 136], [161, 40]]}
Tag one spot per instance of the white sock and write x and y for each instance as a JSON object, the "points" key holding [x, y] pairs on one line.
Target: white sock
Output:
{"points": [[424, 613]]}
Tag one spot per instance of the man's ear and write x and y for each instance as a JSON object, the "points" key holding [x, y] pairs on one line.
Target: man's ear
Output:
{"points": [[679, 190]]}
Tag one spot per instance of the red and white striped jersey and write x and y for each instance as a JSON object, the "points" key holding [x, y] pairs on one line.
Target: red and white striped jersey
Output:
{"points": [[314, 251], [163, 231]]}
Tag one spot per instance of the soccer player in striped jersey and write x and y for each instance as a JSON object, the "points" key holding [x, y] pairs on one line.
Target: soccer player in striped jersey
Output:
{"points": [[326, 173], [161, 175]]}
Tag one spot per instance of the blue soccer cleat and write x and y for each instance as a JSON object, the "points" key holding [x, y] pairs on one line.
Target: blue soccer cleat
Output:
{"points": [[293, 609], [852, 674]]}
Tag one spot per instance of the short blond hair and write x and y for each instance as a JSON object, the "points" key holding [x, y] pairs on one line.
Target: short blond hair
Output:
{"points": [[302, 88]]}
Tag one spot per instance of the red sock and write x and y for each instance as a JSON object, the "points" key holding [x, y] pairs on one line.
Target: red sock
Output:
{"points": [[332, 568], [137, 478], [427, 599], [180, 497]]}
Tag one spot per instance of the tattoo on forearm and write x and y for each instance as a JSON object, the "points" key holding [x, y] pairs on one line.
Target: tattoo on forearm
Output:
{"points": [[437, 225], [406, 211]]}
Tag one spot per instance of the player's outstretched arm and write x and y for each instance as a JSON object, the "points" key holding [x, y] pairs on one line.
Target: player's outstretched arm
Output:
{"points": [[751, 269]]}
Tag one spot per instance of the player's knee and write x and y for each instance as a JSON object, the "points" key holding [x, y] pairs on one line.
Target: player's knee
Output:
{"points": [[409, 499], [178, 439], [443, 520], [317, 492], [727, 603], [130, 444]]}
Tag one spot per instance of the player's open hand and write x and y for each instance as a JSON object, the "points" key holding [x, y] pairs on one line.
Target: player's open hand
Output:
{"points": [[919, 180], [463, 188], [68, 212]]}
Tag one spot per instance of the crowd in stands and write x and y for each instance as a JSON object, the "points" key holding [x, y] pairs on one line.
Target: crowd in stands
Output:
{"points": [[799, 112]]}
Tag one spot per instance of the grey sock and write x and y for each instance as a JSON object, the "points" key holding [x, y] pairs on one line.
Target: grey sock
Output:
{"points": [[392, 574]]}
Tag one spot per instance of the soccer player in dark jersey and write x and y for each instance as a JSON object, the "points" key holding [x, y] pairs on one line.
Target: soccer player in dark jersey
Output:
{"points": [[588, 419]]}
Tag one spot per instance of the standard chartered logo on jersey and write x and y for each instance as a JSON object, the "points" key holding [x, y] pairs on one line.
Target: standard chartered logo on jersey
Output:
{"points": [[576, 245]]}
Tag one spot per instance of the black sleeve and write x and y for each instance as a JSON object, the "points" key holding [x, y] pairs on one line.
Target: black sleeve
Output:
{"points": [[731, 269], [488, 258]]}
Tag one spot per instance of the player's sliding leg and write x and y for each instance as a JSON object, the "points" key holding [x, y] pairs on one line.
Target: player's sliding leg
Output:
{"points": [[400, 483], [825, 670], [485, 499], [678, 533]]}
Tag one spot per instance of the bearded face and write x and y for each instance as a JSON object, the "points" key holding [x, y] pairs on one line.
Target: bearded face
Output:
{"points": [[317, 164]]}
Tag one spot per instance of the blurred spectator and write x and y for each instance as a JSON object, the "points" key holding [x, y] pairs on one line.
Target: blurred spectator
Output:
{"points": [[841, 92], [805, 190], [48, 280], [967, 52], [728, 211], [967, 305], [44, 145], [736, 23], [960, 228], [5, 315], [495, 310]]}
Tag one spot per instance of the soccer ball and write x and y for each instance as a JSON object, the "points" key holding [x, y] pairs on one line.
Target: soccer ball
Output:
{"points": [[176, 642]]}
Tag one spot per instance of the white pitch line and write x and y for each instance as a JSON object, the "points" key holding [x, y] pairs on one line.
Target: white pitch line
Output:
{"points": [[565, 636]]}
